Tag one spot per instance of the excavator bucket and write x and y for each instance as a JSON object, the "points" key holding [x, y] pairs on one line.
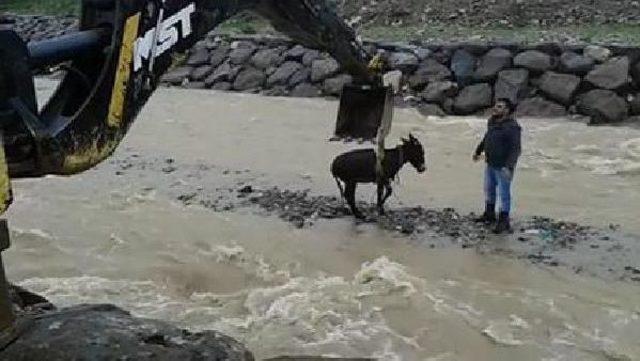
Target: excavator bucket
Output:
{"points": [[361, 111]]}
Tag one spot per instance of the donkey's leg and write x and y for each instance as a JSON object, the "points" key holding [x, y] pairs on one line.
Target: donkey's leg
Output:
{"points": [[340, 189], [380, 198], [389, 190], [350, 195]]}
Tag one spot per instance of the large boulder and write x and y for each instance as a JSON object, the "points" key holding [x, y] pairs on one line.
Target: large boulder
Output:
{"points": [[301, 76], [246, 44], [430, 70], [447, 105], [224, 72], [559, 87], [223, 85], [323, 68], [270, 70], [603, 106], [597, 53], [463, 65], [276, 91], [241, 55], [219, 55], [432, 110], [512, 84], [438, 91], [540, 107], [612, 75], [422, 53], [195, 85], [533, 60], [249, 78], [215, 43], [492, 63], [310, 56], [282, 75], [635, 73], [267, 58], [177, 75], [201, 72], [573, 63], [442, 55], [296, 53], [198, 57], [333, 86], [305, 90], [405, 62], [105, 332], [473, 98]]}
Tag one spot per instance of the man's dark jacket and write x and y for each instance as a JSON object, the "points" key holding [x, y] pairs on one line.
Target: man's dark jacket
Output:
{"points": [[501, 144]]}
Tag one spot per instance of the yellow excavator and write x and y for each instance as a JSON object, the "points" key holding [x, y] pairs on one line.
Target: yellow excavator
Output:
{"points": [[113, 64]]}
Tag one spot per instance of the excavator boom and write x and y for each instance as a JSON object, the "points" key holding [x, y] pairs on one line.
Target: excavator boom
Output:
{"points": [[113, 66]]}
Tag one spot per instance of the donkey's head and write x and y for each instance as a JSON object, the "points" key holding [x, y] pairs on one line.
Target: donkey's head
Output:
{"points": [[414, 153]]}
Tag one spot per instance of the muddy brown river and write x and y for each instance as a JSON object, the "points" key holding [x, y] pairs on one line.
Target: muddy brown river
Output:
{"points": [[337, 288]]}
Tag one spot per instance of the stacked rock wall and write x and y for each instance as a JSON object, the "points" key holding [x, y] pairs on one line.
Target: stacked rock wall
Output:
{"points": [[39, 27], [544, 80]]}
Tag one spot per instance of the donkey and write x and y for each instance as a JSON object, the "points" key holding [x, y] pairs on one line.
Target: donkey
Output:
{"points": [[359, 166]]}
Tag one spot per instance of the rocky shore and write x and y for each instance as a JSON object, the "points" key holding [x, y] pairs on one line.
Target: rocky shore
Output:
{"points": [[540, 240], [603, 253]]}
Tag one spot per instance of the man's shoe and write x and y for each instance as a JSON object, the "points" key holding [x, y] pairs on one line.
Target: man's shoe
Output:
{"points": [[503, 225], [489, 215]]}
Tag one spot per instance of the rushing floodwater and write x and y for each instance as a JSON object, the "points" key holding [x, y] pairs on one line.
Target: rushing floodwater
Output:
{"points": [[336, 288]]}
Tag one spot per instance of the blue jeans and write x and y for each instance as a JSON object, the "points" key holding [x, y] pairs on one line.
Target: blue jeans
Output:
{"points": [[496, 178]]}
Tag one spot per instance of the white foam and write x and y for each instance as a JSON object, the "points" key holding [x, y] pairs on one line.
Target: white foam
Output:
{"points": [[502, 334], [386, 276], [317, 315], [33, 231]]}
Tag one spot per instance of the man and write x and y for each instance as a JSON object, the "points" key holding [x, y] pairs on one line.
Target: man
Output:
{"points": [[501, 146], [377, 66]]}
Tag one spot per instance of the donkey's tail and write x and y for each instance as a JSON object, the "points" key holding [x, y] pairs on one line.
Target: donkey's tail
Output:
{"points": [[340, 187]]}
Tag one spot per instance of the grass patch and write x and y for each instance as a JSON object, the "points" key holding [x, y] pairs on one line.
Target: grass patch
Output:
{"points": [[41, 7], [610, 33], [250, 24], [593, 34], [240, 25]]}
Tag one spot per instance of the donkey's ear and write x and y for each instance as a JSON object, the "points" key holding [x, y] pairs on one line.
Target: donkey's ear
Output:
{"points": [[411, 137], [404, 140]]}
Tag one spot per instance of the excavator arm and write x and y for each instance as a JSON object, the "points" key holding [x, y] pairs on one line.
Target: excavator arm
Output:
{"points": [[114, 63]]}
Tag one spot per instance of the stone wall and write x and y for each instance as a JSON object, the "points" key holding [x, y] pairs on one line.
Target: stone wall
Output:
{"points": [[545, 80], [39, 27]]}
